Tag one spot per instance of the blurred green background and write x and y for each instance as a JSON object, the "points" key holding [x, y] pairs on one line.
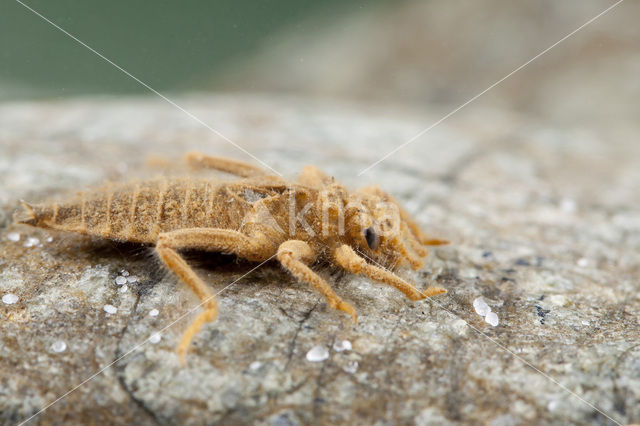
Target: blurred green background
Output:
{"points": [[168, 45], [412, 52]]}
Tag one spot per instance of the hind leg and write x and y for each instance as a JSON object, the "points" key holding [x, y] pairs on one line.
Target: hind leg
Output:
{"points": [[176, 263], [205, 239], [235, 167]]}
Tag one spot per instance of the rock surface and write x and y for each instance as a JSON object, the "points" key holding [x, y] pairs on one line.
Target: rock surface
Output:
{"points": [[544, 224]]}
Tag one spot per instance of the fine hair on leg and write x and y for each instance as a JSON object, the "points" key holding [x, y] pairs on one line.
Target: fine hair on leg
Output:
{"points": [[211, 239], [294, 255], [352, 262], [177, 264]]}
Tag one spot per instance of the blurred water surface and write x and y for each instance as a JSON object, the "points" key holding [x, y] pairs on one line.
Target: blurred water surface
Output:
{"points": [[411, 53], [168, 45]]}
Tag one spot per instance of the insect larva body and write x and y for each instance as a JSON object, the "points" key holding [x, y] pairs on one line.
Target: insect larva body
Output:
{"points": [[257, 218]]}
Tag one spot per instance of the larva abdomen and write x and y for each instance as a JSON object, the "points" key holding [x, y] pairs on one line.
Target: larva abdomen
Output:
{"points": [[139, 211]]}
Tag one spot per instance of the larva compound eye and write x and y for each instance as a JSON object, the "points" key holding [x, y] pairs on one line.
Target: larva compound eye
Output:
{"points": [[373, 241]]}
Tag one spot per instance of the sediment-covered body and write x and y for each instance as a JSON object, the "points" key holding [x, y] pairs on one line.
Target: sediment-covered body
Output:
{"points": [[257, 218], [140, 211]]}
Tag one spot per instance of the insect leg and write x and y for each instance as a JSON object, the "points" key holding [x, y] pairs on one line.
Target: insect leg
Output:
{"points": [[413, 241], [238, 168], [433, 242], [255, 248], [314, 177], [349, 260], [414, 261], [177, 264], [294, 255], [211, 239]]}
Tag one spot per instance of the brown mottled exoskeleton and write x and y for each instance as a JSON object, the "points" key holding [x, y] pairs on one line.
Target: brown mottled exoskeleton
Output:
{"points": [[255, 218]]}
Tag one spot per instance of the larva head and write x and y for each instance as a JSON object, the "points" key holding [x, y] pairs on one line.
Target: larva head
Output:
{"points": [[374, 228]]}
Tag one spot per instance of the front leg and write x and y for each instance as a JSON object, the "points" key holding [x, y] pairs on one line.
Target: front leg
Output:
{"points": [[210, 239], [349, 260], [294, 255]]}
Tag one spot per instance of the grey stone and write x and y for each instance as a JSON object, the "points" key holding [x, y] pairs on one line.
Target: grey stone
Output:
{"points": [[544, 227]]}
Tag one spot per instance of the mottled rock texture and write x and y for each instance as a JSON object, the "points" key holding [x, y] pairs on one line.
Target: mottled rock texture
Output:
{"points": [[544, 224]]}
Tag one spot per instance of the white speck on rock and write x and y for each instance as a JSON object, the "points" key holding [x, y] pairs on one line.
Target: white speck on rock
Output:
{"points": [[352, 367], [154, 312], [481, 307], [585, 322], [568, 205], [342, 345], [459, 326], [31, 241], [468, 273], [49, 239], [123, 289], [318, 354], [559, 300], [13, 236], [132, 279], [255, 365], [492, 319], [155, 337], [9, 299], [582, 262], [124, 273], [120, 280], [110, 309], [59, 346]]}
